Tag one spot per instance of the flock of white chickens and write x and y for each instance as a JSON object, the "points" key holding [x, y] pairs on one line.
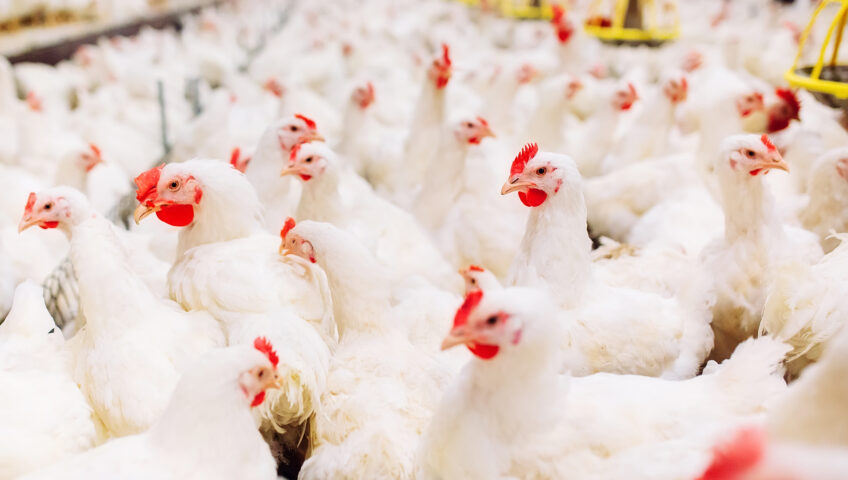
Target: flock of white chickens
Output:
{"points": [[408, 239]]}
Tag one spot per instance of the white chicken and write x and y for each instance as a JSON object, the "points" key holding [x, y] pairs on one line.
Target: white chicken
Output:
{"points": [[44, 418], [137, 337], [337, 195], [555, 255], [386, 384], [510, 414], [206, 432], [744, 261]]}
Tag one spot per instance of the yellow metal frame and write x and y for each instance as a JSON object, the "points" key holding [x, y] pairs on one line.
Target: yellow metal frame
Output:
{"points": [[813, 81], [509, 8], [618, 32]]}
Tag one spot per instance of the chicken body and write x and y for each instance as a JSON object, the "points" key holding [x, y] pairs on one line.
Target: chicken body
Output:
{"points": [[510, 414], [44, 417], [206, 431]]}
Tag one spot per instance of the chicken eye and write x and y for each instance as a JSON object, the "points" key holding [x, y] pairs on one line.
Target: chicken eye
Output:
{"points": [[48, 206], [541, 171], [174, 185], [468, 124], [750, 153], [308, 160], [261, 373], [473, 281], [492, 320], [293, 128]]}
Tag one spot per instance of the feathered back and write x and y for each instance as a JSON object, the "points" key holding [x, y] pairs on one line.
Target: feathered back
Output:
{"points": [[28, 316]]}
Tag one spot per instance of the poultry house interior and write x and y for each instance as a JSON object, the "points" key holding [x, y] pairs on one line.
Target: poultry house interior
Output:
{"points": [[423, 240]]}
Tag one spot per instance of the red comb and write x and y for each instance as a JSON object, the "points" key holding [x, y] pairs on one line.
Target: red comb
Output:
{"points": [[309, 122], [446, 55], [294, 151], [767, 142], [234, 156], [146, 183], [483, 121], [94, 149], [790, 98], [30, 203], [273, 86], [525, 155], [632, 90], [558, 12], [475, 268], [287, 226], [264, 346], [470, 303], [736, 457]]}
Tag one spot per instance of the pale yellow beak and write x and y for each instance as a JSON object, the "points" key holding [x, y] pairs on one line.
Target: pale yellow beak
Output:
{"points": [[457, 336], [488, 133], [143, 210], [774, 162], [290, 170], [510, 187], [312, 137], [26, 222]]}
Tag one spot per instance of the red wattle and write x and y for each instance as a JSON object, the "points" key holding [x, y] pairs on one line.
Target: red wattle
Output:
{"points": [[755, 172], [486, 352], [533, 197], [259, 398], [46, 225], [305, 177], [176, 215]]}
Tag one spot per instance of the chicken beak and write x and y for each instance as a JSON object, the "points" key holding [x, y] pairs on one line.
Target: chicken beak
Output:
{"points": [[26, 222], [283, 250], [312, 137], [487, 132], [143, 210], [290, 170], [514, 184], [276, 381], [457, 336], [772, 162]]}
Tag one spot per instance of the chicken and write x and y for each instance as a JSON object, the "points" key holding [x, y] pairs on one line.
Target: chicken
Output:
{"points": [[227, 265], [648, 137], [337, 195], [278, 196], [601, 128], [743, 262], [44, 417], [397, 172], [828, 191], [672, 341], [124, 320], [206, 432], [382, 388], [510, 414]]}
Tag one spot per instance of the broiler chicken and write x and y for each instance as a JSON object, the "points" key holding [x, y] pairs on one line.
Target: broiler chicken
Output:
{"points": [[337, 195], [129, 333], [745, 260], [610, 329], [510, 414], [206, 431], [44, 418], [378, 378]]}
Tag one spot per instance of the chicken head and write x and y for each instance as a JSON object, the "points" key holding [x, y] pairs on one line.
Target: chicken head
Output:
{"points": [[363, 95], [293, 244], [752, 155], [172, 196], [57, 207], [783, 110], [473, 130], [534, 176]]}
